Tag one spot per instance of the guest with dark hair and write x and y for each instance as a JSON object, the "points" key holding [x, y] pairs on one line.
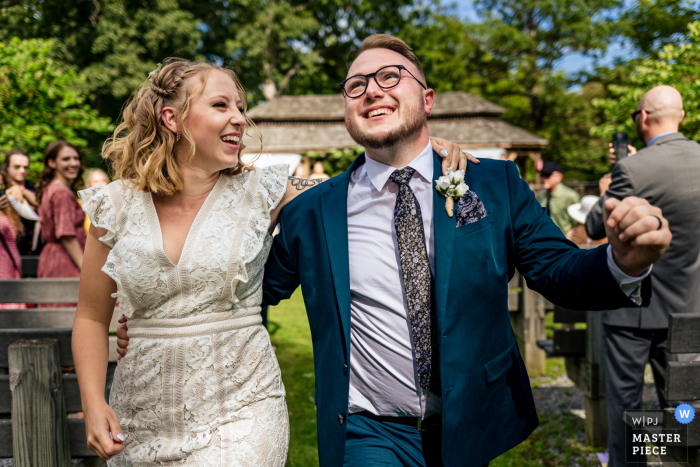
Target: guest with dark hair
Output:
{"points": [[10, 228], [16, 168], [60, 214]]}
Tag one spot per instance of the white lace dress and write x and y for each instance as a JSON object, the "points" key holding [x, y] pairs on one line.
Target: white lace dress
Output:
{"points": [[200, 385]]}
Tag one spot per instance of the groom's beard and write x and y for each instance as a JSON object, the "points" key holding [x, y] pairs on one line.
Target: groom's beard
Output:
{"points": [[414, 120]]}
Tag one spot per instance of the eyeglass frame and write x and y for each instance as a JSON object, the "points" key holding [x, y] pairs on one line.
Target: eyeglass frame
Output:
{"points": [[637, 112], [374, 75]]}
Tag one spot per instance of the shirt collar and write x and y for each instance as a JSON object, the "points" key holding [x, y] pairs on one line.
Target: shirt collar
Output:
{"points": [[379, 173], [556, 192], [659, 136]]}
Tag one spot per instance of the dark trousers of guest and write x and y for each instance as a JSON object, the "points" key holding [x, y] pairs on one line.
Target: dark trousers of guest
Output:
{"points": [[627, 351], [374, 443]]}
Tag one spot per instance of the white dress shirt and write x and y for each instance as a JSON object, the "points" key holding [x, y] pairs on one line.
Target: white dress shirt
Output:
{"points": [[383, 375]]}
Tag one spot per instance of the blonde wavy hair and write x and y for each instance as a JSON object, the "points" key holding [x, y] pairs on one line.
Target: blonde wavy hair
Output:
{"points": [[142, 148]]}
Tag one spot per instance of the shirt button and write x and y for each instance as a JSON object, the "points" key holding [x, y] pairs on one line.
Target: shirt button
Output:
{"points": [[341, 419], [345, 368]]}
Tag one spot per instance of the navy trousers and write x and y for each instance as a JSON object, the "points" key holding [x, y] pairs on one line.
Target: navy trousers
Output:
{"points": [[372, 443]]}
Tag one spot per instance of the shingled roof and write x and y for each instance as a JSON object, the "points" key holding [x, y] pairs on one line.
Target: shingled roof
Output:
{"points": [[316, 123]]}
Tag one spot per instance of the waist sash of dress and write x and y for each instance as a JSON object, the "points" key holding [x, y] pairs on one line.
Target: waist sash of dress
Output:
{"points": [[207, 323]]}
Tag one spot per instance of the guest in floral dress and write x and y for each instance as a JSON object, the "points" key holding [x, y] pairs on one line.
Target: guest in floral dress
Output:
{"points": [[60, 214], [10, 262]]}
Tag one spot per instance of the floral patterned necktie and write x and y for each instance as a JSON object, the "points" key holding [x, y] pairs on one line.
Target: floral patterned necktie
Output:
{"points": [[417, 280]]}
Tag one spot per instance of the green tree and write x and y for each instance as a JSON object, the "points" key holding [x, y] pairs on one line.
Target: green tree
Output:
{"points": [[42, 101], [114, 44], [678, 65], [296, 46], [456, 55], [534, 35], [651, 24]]}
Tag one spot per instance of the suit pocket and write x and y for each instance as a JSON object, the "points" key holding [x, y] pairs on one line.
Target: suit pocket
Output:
{"points": [[501, 364], [474, 226]]}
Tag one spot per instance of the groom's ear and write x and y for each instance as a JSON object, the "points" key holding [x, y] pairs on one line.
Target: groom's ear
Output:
{"points": [[429, 97]]}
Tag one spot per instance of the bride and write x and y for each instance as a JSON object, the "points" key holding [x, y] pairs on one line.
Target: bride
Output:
{"points": [[180, 241]]}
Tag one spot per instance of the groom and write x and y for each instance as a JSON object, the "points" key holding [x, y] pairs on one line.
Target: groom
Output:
{"points": [[415, 359]]}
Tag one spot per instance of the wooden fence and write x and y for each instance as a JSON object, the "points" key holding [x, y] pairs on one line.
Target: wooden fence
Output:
{"points": [[37, 387]]}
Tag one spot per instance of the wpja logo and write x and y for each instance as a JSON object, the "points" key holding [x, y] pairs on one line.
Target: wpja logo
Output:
{"points": [[685, 413], [658, 432]]}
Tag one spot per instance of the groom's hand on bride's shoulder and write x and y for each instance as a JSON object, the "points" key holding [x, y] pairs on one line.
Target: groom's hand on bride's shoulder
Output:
{"points": [[638, 233], [122, 337], [452, 155]]}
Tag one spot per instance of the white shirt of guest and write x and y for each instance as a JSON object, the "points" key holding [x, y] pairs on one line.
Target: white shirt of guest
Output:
{"points": [[383, 375]]}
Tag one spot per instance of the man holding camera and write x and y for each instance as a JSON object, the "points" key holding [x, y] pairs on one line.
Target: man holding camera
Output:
{"points": [[667, 174]]}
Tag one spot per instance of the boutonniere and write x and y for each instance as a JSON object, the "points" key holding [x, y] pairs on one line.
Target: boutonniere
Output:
{"points": [[451, 186]]}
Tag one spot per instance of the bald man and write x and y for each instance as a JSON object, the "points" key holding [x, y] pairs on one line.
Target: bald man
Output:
{"points": [[667, 174]]}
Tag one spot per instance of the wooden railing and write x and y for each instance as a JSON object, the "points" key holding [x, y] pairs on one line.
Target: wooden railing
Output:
{"points": [[37, 387]]}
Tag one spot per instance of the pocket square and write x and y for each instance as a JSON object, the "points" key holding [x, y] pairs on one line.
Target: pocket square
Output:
{"points": [[469, 209]]}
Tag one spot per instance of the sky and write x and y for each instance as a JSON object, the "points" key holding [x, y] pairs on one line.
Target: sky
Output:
{"points": [[570, 64]]}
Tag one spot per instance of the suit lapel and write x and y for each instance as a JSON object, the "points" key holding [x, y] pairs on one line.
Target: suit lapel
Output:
{"points": [[334, 211], [444, 236]]}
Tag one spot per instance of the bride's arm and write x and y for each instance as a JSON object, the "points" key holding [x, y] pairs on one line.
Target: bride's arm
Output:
{"points": [[90, 348]]}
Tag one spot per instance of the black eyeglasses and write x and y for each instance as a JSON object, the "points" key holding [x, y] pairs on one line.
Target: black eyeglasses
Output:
{"points": [[386, 78], [637, 112]]}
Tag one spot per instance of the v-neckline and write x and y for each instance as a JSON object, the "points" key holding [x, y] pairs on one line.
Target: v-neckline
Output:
{"points": [[157, 233]]}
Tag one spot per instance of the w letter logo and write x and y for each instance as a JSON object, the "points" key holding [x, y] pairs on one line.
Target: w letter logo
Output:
{"points": [[685, 413]]}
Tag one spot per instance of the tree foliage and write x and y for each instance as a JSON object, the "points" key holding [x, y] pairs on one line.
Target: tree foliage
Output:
{"points": [[114, 44], [42, 101], [649, 25], [532, 36], [678, 65]]}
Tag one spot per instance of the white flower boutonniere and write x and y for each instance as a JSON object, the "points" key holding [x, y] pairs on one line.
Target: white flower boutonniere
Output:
{"points": [[451, 186]]}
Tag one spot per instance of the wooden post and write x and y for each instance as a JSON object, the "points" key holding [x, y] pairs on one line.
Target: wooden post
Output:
{"points": [[39, 423], [529, 325], [596, 424]]}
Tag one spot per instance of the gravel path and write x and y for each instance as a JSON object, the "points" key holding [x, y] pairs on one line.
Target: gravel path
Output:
{"points": [[557, 395]]}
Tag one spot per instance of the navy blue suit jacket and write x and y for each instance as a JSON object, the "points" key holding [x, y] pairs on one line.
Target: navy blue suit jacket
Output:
{"points": [[487, 403]]}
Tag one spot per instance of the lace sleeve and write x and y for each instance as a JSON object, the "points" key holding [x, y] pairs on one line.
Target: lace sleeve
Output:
{"points": [[273, 181], [99, 208]]}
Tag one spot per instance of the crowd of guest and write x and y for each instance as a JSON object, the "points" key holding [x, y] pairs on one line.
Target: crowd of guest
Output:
{"points": [[44, 219]]}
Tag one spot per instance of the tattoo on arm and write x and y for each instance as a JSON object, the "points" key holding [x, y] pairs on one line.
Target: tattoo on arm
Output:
{"points": [[304, 183]]}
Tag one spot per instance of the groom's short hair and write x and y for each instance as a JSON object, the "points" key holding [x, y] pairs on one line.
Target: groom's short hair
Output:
{"points": [[385, 41]]}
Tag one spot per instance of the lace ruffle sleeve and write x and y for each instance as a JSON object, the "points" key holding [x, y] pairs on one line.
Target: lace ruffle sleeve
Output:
{"points": [[99, 208], [273, 181]]}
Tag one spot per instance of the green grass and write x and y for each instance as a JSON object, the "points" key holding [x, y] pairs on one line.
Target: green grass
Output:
{"points": [[556, 442], [289, 330]]}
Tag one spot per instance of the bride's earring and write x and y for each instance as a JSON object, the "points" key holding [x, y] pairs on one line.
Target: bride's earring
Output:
{"points": [[177, 137]]}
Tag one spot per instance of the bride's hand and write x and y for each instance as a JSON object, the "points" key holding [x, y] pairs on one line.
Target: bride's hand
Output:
{"points": [[99, 422], [452, 155]]}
